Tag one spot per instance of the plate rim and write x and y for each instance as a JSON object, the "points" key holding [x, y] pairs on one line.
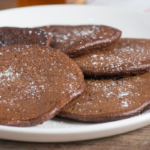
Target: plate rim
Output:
{"points": [[83, 129]]}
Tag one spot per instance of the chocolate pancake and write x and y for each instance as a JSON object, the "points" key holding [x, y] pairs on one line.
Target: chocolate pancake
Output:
{"points": [[108, 100], [129, 57], [28, 36], [36, 82], [78, 40]]}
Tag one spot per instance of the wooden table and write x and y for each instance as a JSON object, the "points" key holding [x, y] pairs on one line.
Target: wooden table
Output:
{"points": [[136, 140]]}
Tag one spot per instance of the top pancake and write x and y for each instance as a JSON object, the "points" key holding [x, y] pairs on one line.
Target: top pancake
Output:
{"points": [[130, 56], [78, 40], [36, 82], [28, 36], [106, 99]]}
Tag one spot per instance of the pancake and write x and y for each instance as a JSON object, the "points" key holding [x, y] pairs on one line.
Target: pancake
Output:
{"points": [[78, 40], [36, 82], [28, 36], [129, 57], [108, 100]]}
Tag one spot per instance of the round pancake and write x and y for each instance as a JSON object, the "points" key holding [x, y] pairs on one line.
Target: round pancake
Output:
{"points": [[126, 57], [78, 40], [36, 82], [28, 36], [129, 57], [108, 100]]}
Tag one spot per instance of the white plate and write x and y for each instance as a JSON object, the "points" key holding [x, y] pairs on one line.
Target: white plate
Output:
{"points": [[132, 24]]}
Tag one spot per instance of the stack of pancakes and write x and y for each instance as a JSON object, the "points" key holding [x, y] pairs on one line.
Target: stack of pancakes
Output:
{"points": [[39, 81]]}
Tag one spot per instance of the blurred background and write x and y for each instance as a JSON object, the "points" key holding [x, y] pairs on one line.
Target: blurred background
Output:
{"points": [[132, 5], [5, 4]]}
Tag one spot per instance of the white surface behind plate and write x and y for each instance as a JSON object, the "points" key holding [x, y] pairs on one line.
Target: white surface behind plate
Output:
{"points": [[132, 24], [132, 5]]}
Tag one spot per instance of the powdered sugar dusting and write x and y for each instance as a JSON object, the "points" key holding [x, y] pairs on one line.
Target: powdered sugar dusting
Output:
{"points": [[113, 98], [129, 54], [67, 36], [125, 104], [34, 80], [27, 36], [8, 74]]}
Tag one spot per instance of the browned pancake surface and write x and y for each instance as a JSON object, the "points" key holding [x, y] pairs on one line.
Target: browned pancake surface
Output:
{"points": [[106, 100], [28, 36], [130, 56], [36, 82], [78, 40]]}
